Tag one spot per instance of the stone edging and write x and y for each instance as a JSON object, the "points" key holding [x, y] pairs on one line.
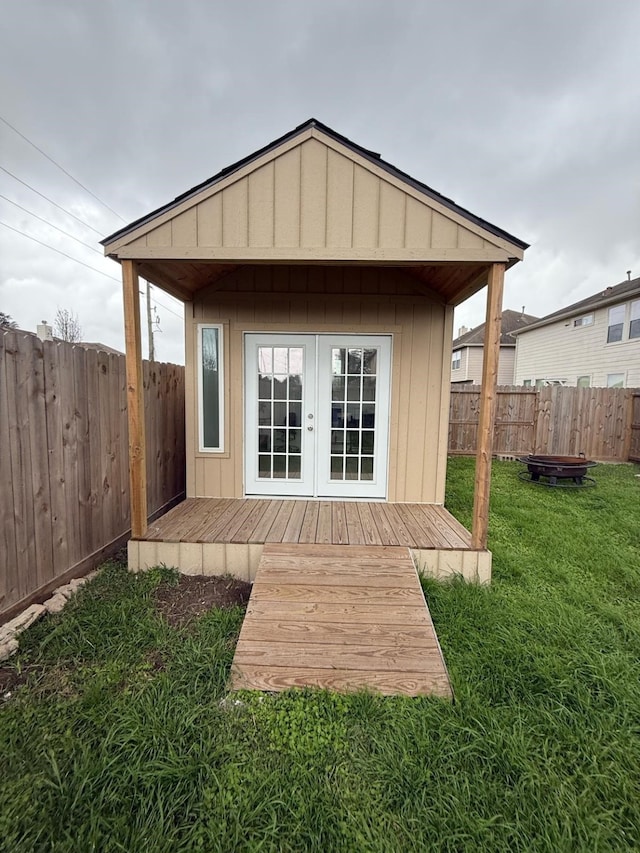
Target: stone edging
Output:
{"points": [[54, 604]]}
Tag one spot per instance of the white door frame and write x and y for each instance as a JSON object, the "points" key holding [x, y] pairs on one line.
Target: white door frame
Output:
{"points": [[317, 416]]}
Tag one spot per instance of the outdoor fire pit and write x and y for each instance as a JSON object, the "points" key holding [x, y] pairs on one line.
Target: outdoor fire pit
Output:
{"points": [[564, 471]]}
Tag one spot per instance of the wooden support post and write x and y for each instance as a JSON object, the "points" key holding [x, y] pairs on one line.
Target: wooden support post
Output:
{"points": [[135, 400], [492, 331]]}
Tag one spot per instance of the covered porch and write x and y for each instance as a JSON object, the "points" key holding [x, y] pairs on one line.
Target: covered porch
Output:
{"points": [[227, 535]]}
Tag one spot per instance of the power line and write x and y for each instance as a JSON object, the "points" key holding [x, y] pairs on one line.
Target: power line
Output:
{"points": [[51, 225], [64, 210], [62, 169], [166, 307], [88, 266], [59, 252]]}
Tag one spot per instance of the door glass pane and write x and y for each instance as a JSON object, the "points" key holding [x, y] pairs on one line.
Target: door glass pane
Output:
{"points": [[280, 466], [280, 393], [354, 362], [353, 421], [337, 388], [294, 467], [370, 360], [264, 440], [366, 468], [353, 415], [338, 361], [368, 415], [353, 388], [280, 387]]}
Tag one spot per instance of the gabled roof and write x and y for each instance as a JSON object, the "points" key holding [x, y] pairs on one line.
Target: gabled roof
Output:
{"points": [[609, 296], [348, 143], [314, 197], [511, 321]]}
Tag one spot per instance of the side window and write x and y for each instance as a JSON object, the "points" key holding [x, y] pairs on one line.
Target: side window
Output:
{"points": [[634, 324], [210, 388], [616, 324]]}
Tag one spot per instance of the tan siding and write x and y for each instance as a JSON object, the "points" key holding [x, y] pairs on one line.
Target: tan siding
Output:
{"points": [[418, 224], [392, 215], [210, 221], [443, 438], [313, 194], [444, 233], [287, 199], [184, 229], [160, 236], [366, 190], [419, 360], [561, 351], [469, 240], [235, 215], [261, 206], [339, 200]]}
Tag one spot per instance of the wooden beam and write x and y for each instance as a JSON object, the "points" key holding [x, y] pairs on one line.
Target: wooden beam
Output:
{"points": [[301, 255], [135, 400], [487, 414]]}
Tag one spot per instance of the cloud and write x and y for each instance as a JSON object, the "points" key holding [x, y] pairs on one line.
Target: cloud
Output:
{"points": [[523, 112]]}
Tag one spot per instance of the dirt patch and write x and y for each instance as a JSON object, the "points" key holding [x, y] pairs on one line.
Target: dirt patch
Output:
{"points": [[193, 595], [10, 678]]}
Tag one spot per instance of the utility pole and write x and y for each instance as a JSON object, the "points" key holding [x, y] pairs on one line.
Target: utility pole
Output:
{"points": [[152, 349]]}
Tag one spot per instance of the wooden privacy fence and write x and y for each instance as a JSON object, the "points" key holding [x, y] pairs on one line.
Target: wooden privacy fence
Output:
{"points": [[64, 469], [634, 449], [598, 422]]}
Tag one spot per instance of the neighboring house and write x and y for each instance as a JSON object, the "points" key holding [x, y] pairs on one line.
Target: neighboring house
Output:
{"points": [[594, 342], [320, 283], [468, 348]]}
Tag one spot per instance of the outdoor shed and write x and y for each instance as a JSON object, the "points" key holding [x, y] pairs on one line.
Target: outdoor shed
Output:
{"points": [[319, 284]]}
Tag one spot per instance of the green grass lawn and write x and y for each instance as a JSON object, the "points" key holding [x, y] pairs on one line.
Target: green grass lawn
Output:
{"points": [[119, 741]]}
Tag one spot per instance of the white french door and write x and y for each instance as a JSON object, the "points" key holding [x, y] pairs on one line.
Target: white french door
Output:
{"points": [[317, 415]]}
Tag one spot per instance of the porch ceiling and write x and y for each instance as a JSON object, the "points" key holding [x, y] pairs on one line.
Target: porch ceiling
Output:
{"points": [[449, 281]]}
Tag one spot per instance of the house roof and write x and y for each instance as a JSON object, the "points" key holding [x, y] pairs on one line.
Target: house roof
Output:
{"points": [[608, 296], [358, 149], [511, 320]]}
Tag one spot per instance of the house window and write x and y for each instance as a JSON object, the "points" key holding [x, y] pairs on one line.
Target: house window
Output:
{"points": [[456, 360], [587, 320], [583, 381], [526, 383], [615, 380], [616, 324], [634, 325], [210, 388]]}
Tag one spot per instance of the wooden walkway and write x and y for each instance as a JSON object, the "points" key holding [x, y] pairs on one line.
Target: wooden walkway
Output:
{"points": [[208, 520], [342, 618]]}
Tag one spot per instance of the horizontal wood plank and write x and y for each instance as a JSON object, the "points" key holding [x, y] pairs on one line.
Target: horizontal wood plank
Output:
{"points": [[268, 678], [330, 632]]}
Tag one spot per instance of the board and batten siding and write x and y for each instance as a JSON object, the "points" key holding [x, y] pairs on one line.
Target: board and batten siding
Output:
{"points": [[312, 195], [564, 351], [317, 299]]}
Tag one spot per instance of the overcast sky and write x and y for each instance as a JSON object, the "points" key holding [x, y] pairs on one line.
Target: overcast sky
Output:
{"points": [[526, 113]]}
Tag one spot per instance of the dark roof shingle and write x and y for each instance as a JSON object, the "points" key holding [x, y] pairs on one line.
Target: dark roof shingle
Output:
{"points": [[511, 320]]}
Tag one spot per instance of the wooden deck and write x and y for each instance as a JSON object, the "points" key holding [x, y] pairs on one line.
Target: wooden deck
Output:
{"points": [[248, 521], [342, 618]]}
